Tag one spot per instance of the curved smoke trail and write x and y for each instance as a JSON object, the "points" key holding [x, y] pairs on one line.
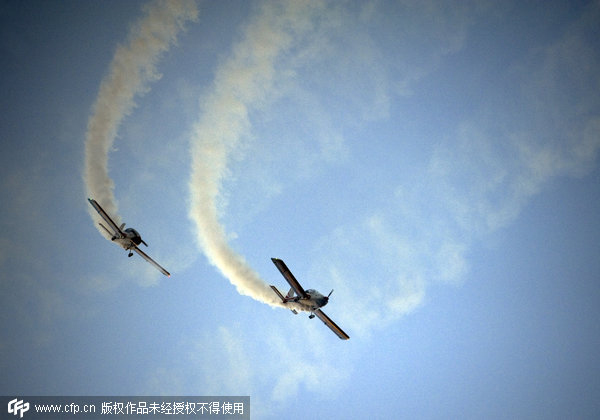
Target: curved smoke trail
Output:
{"points": [[132, 68], [244, 80]]}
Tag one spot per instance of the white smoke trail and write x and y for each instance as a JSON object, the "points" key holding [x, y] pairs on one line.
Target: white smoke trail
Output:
{"points": [[243, 81], [132, 68]]}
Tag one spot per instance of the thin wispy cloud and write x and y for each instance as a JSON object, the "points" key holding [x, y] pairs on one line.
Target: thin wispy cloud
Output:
{"points": [[476, 181], [493, 165]]}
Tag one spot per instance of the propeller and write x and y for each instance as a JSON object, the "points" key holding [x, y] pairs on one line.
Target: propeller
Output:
{"points": [[327, 297]]}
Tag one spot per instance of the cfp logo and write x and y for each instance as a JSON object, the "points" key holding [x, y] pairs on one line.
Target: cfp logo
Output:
{"points": [[17, 407]]}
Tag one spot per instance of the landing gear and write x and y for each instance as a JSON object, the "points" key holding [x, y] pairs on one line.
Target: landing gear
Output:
{"points": [[311, 316], [130, 254]]}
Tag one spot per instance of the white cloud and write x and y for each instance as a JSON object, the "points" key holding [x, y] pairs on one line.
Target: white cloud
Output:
{"points": [[492, 166], [268, 363], [396, 283], [222, 359], [477, 181], [325, 372], [451, 261]]}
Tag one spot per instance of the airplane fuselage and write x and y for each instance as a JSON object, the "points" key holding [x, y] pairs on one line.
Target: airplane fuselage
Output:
{"points": [[314, 301], [131, 236]]}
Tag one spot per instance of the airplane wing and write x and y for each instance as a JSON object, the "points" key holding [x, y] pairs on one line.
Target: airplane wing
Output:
{"points": [[151, 261], [332, 325], [287, 274], [106, 217]]}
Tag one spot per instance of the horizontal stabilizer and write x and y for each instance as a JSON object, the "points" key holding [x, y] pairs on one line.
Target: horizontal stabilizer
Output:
{"points": [[282, 298], [278, 293], [106, 229]]}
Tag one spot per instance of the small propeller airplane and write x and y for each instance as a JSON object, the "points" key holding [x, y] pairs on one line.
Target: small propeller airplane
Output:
{"points": [[308, 300], [128, 239]]}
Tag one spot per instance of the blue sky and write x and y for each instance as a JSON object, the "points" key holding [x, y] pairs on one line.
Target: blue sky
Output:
{"points": [[434, 163]]}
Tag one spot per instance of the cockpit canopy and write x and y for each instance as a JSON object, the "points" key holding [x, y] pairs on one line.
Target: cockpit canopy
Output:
{"points": [[136, 237]]}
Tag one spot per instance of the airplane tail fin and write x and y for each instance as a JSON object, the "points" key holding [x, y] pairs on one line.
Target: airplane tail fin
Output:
{"points": [[282, 298]]}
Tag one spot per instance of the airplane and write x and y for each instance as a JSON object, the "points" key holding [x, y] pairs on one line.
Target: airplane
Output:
{"points": [[308, 300], [128, 239]]}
